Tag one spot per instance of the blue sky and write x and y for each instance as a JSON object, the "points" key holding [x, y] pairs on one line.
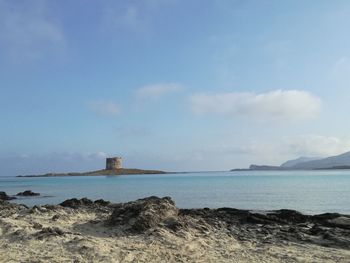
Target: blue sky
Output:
{"points": [[170, 84]]}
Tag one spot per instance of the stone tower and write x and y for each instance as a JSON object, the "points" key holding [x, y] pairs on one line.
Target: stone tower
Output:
{"points": [[113, 163]]}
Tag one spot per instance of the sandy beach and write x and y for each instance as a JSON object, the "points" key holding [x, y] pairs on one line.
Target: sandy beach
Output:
{"points": [[155, 230]]}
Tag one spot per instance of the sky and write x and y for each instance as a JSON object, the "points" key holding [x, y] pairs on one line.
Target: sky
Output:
{"points": [[170, 84]]}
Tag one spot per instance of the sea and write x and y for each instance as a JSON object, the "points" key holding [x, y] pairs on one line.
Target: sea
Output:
{"points": [[310, 192]]}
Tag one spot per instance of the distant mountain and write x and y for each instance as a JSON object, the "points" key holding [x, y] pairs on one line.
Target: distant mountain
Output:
{"points": [[294, 162], [342, 160]]}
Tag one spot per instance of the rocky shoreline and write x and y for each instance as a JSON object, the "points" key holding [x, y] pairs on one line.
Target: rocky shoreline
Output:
{"points": [[154, 230]]}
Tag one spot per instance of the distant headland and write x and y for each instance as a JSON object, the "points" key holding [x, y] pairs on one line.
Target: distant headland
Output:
{"points": [[338, 162], [113, 167]]}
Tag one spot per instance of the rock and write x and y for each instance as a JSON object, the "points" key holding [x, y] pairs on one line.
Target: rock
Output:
{"points": [[37, 225], [341, 222], [7, 208], [27, 193], [290, 216], [151, 214], [173, 223], [144, 214], [49, 231], [325, 216], [37, 209], [102, 202], [76, 203], [258, 219], [5, 197], [55, 217]]}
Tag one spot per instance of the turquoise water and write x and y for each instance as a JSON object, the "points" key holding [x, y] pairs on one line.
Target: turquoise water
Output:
{"points": [[307, 191]]}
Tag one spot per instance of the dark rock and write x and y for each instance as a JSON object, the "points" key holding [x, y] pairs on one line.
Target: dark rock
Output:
{"points": [[7, 208], [331, 229], [55, 217], [291, 216], [102, 202], [27, 193], [272, 227], [341, 222], [49, 207], [173, 223], [76, 203], [325, 216], [5, 197], [258, 219], [35, 209], [37, 225], [49, 231], [143, 214]]}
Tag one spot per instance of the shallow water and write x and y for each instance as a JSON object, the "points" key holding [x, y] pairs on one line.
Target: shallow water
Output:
{"points": [[307, 191]]}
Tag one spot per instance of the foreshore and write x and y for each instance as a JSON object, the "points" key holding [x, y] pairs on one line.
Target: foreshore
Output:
{"points": [[154, 230]]}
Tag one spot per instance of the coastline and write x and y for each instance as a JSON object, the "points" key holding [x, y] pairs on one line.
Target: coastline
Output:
{"points": [[155, 230], [134, 171], [277, 169]]}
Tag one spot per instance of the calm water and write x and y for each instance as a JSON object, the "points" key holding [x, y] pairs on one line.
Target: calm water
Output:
{"points": [[307, 191]]}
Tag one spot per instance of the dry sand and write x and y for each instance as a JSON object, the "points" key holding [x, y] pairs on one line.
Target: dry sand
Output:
{"points": [[61, 234]]}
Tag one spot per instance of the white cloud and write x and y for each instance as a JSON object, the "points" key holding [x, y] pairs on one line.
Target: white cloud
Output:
{"points": [[104, 108], [27, 31], [318, 145], [280, 150], [273, 105], [231, 152], [156, 91]]}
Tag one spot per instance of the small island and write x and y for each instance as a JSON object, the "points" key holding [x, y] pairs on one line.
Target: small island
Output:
{"points": [[113, 167]]}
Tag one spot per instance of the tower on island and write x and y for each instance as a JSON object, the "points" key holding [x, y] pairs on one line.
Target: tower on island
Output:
{"points": [[114, 163]]}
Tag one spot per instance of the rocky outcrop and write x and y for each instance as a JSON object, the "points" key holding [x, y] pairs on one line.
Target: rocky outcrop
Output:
{"points": [[83, 202], [7, 208], [330, 229], [76, 203], [27, 193], [5, 197], [144, 214], [154, 230], [153, 213]]}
